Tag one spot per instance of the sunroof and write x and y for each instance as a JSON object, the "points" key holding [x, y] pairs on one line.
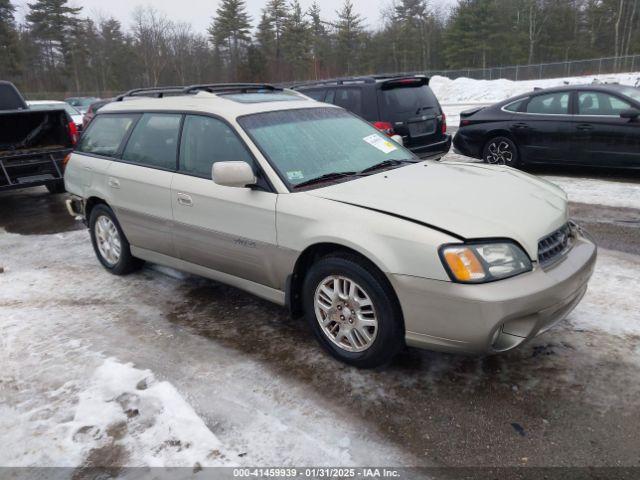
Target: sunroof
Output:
{"points": [[267, 96]]}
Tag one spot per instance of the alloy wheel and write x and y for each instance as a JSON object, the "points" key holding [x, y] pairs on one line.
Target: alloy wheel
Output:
{"points": [[345, 313], [499, 153], [108, 240]]}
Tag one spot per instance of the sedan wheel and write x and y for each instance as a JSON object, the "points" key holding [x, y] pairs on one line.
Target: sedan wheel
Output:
{"points": [[501, 151], [345, 313]]}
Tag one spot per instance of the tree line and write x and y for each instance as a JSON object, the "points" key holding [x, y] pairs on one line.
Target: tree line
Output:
{"points": [[57, 48]]}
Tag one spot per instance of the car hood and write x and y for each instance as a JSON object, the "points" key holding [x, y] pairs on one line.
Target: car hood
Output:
{"points": [[471, 201]]}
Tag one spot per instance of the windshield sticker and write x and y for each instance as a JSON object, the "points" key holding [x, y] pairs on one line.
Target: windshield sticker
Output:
{"points": [[375, 140], [295, 175]]}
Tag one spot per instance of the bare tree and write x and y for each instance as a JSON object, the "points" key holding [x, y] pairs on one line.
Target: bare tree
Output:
{"points": [[537, 18], [151, 30]]}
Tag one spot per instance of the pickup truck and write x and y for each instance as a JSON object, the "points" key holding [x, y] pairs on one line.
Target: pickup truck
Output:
{"points": [[33, 143]]}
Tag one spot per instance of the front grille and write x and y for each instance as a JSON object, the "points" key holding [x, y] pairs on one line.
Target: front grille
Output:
{"points": [[552, 247]]}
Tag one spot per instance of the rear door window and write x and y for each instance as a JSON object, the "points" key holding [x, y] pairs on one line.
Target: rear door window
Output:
{"points": [[550, 104], [206, 140], [403, 102], [154, 141], [349, 99], [105, 134]]}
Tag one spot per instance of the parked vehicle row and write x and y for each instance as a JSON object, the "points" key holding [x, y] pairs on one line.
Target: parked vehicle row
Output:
{"points": [[81, 103], [307, 205]]}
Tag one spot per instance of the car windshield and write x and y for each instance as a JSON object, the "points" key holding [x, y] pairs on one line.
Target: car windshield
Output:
{"points": [[54, 106], [632, 92], [310, 143]]}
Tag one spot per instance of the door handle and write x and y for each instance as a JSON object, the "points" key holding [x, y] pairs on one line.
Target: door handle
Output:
{"points": [[114, 182], [585, 127], [520, 126], [184, 199]]}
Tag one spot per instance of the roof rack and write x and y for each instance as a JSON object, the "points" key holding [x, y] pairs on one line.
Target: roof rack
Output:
{"points": [[160, 92], [231, 87], [157, 92], [361, 79]]}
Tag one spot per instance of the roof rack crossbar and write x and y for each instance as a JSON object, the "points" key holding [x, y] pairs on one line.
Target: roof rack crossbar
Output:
{"points": [[230, 87], [160, 92], [149, 92]]}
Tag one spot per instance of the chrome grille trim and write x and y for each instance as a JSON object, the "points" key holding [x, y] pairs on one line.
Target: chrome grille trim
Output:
{"points": [[555, 245]]}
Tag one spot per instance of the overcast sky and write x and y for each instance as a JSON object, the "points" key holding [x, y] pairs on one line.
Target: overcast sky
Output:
{"points": [[199, 12]]}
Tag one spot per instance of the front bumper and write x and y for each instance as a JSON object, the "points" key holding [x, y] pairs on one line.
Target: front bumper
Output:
{"points": [[497, 316]]}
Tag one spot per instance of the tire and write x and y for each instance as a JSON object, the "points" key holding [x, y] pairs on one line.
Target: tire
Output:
{"points": [[106, 236], [501, 151], [386, 339], [57, 187]]}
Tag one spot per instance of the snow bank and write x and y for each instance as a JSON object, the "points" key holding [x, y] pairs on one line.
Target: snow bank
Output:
{"points": [[469, 91]]}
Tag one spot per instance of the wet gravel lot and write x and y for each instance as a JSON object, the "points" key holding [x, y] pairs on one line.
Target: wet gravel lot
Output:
{"points": [[570, 398]]}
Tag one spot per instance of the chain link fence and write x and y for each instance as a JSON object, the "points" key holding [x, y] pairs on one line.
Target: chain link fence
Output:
{"points": [[572, 68]]}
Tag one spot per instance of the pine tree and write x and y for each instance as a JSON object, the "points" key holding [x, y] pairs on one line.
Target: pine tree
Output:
{"points": [[277, 13], [9, 47], [467, 38], [296, 42], [349, 36], [229, 32], [50, 22], [320, 41]]}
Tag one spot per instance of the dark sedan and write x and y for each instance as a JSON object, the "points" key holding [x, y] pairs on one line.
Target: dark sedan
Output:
{"points": [[590, 125]]}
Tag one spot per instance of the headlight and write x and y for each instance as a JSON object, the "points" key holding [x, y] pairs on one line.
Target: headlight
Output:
{"points": [[484, 262]]}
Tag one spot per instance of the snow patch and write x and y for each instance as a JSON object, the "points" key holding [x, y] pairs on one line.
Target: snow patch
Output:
{"points": [[611, 303], [599, 192], [158, 427]]}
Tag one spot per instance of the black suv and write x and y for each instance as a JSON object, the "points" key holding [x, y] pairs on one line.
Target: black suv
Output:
{"points": [[396, 105]]}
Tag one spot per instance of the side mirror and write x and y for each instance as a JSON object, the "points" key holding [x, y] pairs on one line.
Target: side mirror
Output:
{"points": [[397, 139], [630, 113], [233, 174]]}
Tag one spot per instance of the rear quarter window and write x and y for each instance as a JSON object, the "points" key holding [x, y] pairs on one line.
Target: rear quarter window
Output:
{"points": [[105, 134], [515, 106]]}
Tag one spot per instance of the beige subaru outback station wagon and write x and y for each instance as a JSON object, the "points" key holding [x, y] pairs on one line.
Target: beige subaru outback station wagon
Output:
{"points": [[308, 206]]}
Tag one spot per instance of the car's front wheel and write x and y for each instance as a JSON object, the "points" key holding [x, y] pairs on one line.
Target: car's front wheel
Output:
{"points": [[501, 151], [353, 311], [109, 243]]}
